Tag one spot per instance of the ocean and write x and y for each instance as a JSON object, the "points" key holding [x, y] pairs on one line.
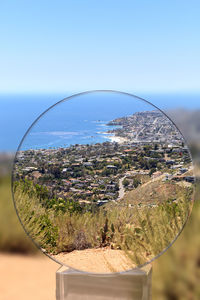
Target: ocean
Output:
{"points": [[80, 120]]}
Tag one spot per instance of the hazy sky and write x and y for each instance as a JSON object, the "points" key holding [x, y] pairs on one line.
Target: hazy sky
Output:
{"points": [[78, 45]]}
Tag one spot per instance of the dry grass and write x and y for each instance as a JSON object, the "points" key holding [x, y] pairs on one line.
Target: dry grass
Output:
{"points": [[141, 232]]}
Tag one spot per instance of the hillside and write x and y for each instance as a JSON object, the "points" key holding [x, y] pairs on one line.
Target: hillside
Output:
{"points": [[155, 192]]}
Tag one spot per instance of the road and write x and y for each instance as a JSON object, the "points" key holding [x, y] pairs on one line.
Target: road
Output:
{"points": [[121, 189]]}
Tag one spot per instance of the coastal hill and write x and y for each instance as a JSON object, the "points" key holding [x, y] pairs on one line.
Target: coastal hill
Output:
{"points": [[155, 192], [147, 126]]}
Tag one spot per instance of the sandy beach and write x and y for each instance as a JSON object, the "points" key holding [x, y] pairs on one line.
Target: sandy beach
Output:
{"points": [[117, 139]]}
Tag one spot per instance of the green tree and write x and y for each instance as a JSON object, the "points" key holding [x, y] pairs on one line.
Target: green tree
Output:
{"points": [[156, 147], [153, 170], [136, 182], [125, 182]]}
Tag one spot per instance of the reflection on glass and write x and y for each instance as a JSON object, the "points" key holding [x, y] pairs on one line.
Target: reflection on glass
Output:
{"points": [[103, 182]]}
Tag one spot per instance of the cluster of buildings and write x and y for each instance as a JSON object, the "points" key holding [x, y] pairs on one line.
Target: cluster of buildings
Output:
{"points": [[147, 127], [92, 173]]}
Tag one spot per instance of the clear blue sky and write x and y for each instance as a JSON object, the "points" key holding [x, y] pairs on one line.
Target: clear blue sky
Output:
{"points": [[78, 45]]}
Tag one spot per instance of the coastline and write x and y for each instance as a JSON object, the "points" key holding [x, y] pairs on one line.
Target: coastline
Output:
{"points": [[113, 138]]}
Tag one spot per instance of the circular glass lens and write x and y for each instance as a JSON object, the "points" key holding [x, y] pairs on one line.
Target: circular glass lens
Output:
{"points": [[103, 182]]}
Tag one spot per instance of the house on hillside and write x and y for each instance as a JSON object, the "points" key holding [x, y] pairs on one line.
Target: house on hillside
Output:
{"points": [[111, 167]]}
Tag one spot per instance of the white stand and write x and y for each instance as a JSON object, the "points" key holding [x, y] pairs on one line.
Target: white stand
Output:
{"points": [[130, 285]]}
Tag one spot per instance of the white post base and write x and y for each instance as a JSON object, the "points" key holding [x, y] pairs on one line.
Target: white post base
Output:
{"points": [[131, 285]]}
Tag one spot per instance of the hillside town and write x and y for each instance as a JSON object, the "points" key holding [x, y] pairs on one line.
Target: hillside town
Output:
{"points": [[146, 127], [103, 172]]}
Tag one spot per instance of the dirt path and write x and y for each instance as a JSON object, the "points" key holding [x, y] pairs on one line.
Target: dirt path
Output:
{"points": [[27, 277], [103, 260]]}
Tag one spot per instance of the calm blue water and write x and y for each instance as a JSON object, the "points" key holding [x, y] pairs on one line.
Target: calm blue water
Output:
{"points": [[79, 120]]}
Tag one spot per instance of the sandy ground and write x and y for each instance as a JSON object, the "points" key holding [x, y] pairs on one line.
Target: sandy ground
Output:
{"points": [[27, 277], [33, 277], [103, 260]]}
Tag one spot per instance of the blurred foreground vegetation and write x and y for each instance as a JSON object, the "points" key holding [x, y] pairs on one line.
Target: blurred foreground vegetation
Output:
{"points": [[176, 274], [12, 235]]}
